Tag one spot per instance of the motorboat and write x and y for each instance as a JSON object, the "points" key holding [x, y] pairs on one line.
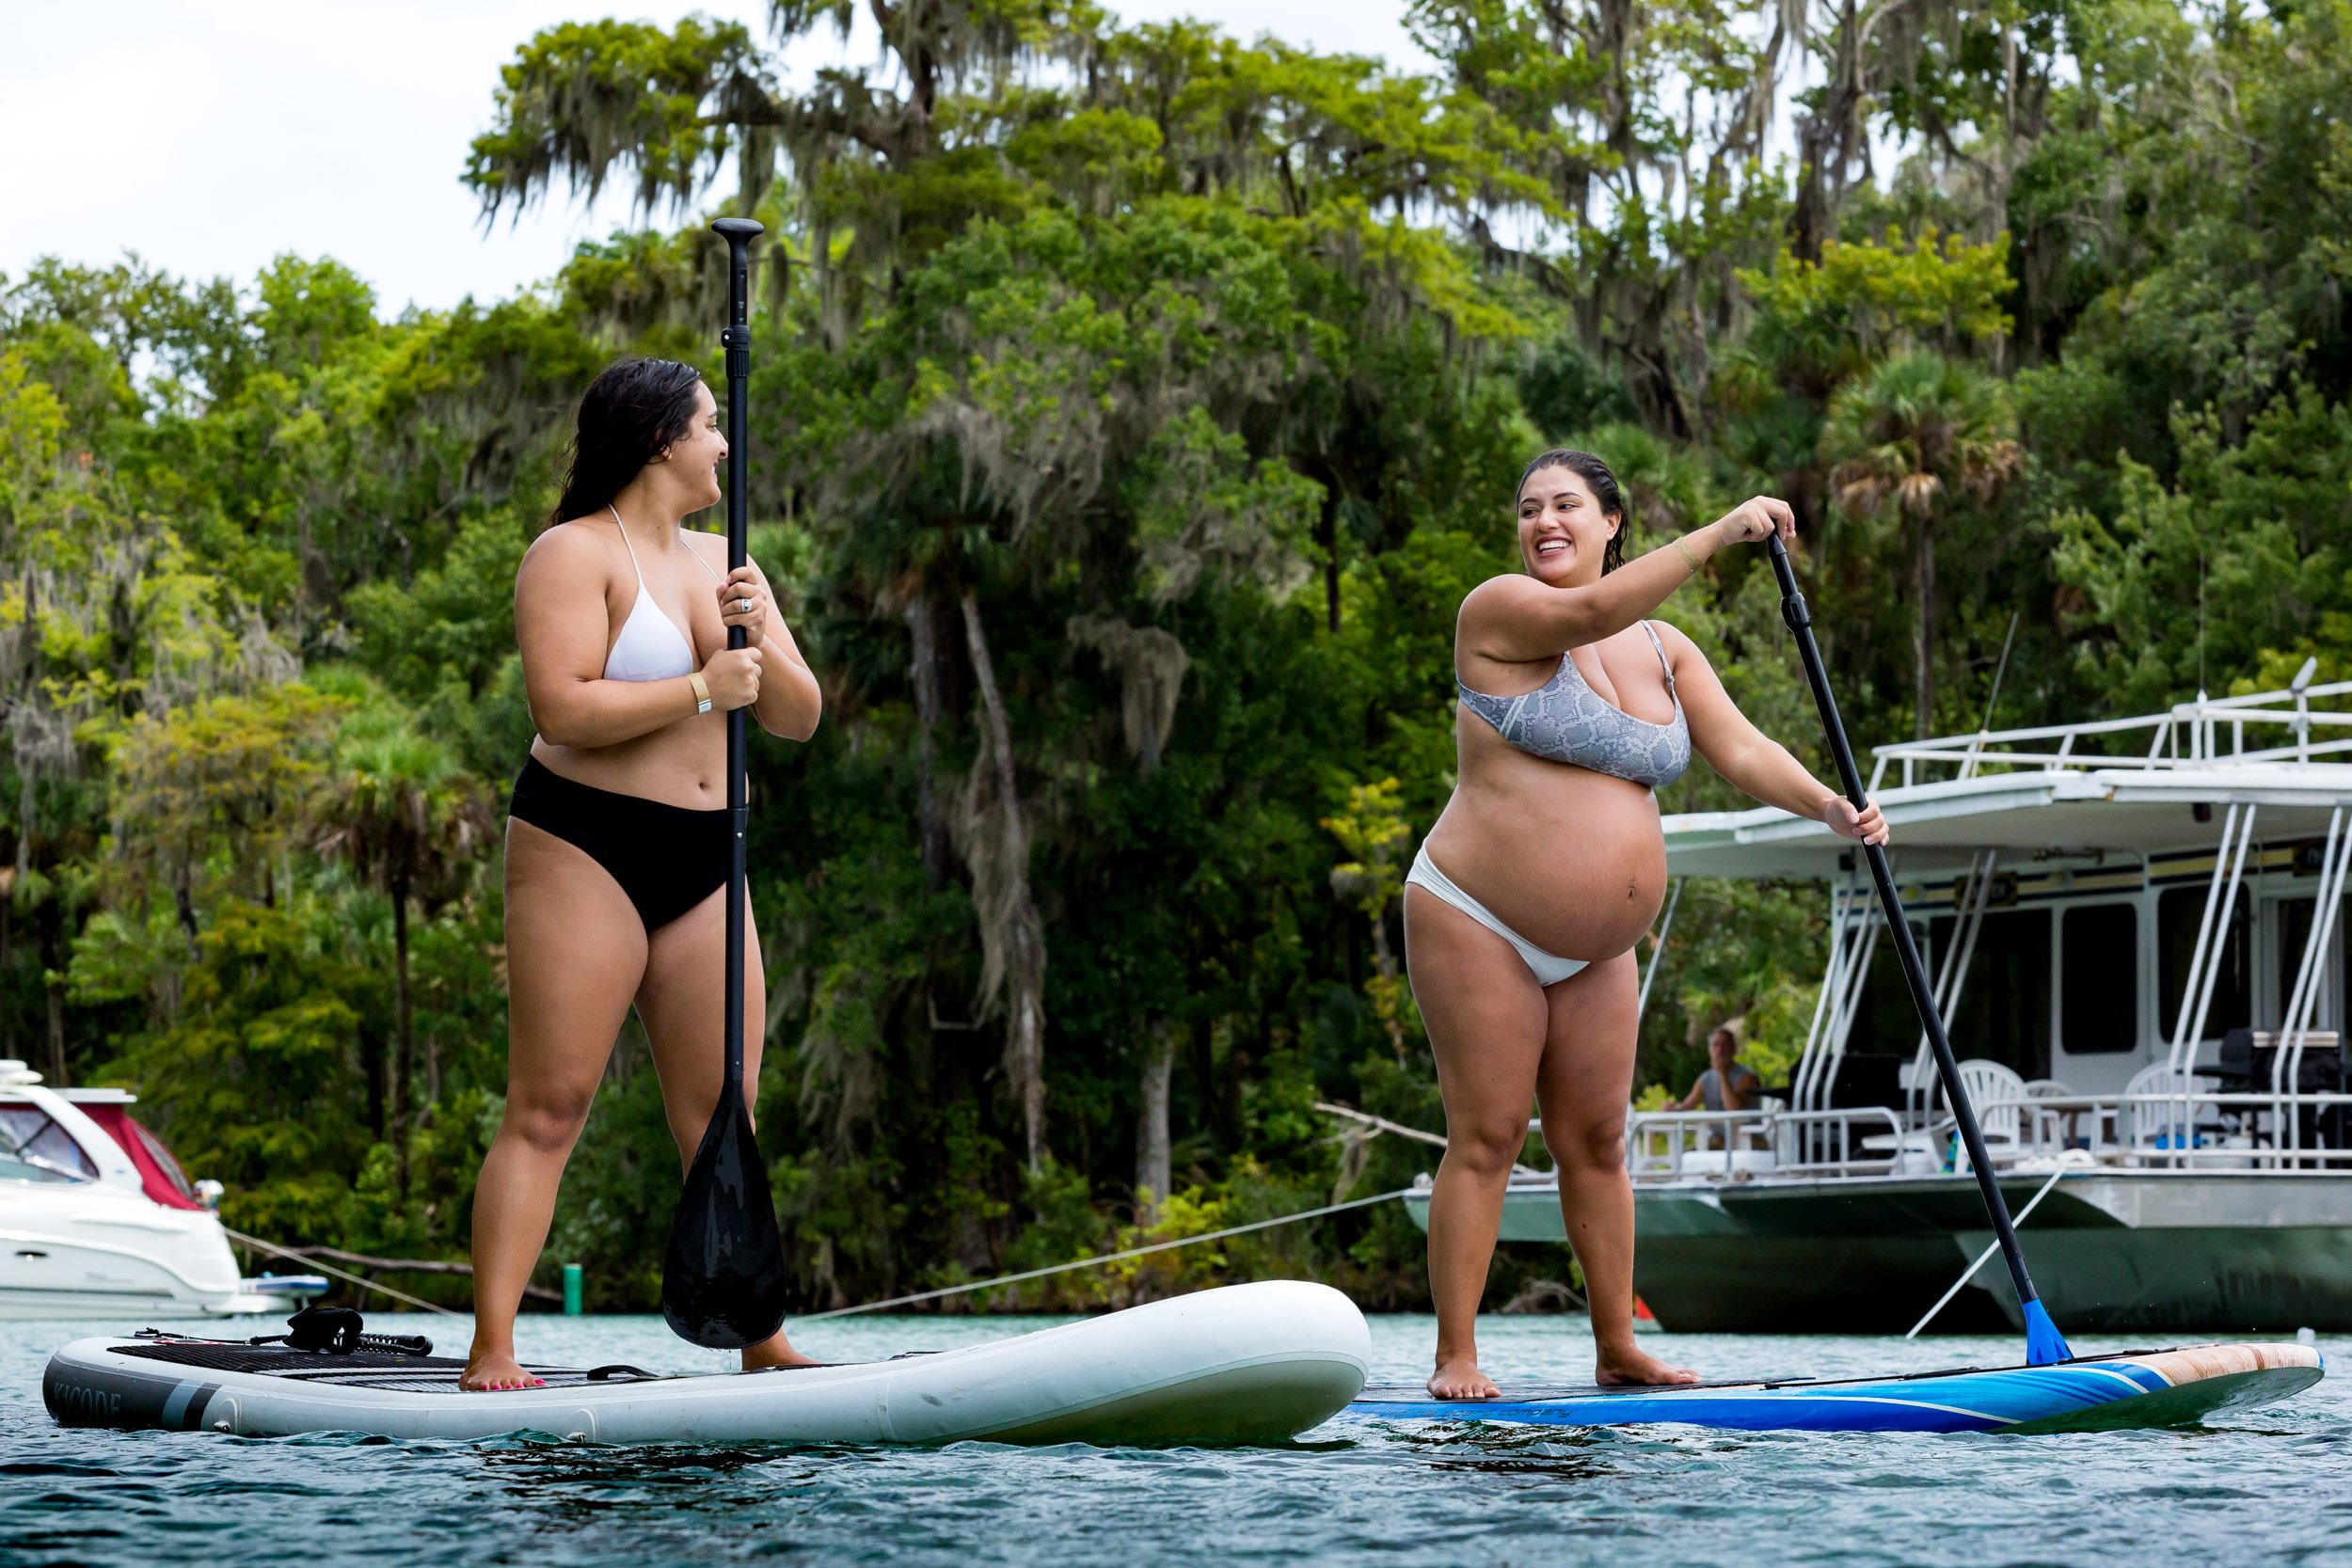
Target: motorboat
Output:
{"points": [[97, 1219]]}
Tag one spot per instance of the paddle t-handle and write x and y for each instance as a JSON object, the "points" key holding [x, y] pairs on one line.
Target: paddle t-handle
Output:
{"points": [[2044, 1344], [724, 1282]]}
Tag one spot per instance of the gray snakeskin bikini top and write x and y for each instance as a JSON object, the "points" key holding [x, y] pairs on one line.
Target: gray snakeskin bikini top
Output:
{"points": [[1564, 720]]}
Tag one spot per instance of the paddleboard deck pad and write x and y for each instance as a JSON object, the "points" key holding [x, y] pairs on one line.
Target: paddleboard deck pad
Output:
{"points": [[1245, 1364], [2145, 1388]]}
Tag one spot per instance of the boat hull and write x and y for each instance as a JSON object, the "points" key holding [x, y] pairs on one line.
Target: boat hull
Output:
{"points": [[92, 1252], [1246, 1364], [2110, 1252]]}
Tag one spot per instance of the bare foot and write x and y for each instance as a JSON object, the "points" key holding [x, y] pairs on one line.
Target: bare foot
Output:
{"points": [[1634, 1369], [776, 1350], [490, 1370], [1460, 1379]]}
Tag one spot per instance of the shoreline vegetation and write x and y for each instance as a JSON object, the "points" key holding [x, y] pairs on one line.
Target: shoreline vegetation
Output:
{"points": [[1133, 407]]}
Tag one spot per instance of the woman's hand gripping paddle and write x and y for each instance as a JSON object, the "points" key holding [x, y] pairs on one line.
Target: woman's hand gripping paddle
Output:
{"points": [[2044, 1344], [723, 1280]]}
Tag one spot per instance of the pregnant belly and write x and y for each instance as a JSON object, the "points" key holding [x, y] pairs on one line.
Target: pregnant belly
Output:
{"points": [[1576, 865]]}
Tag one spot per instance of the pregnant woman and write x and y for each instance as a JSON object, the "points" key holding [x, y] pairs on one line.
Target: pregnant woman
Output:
{"points": [[616, 845], [1524, 905]]}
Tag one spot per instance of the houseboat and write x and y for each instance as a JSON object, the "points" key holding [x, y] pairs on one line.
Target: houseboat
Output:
{"points": [[2131, 925]]}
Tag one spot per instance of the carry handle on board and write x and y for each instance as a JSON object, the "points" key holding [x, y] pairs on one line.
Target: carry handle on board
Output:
{"points": [[723, 1278], [2044, 1344]]}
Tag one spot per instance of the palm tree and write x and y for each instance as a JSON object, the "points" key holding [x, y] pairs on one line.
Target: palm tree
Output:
{"points": [[413, 823], [1914, 438]]}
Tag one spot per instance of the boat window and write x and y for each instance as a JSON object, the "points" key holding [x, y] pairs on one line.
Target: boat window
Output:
{"points": [[33, 1148], [2099, 991], [1884, 1022], [2295, 929], [2003, 1013], [164, 1163], [2178, 910]]}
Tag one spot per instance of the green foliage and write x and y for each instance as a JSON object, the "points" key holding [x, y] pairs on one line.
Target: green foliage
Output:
{"points": [[1135, 407], [1819, 324], [254, 1084]]}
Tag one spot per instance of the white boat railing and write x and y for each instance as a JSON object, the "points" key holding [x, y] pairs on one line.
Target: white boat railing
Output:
{"points": [[1672, 1145], [2189, 734], [2248, 1131]]}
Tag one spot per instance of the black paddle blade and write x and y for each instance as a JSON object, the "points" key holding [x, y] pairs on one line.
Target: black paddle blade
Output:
{"points": [[723, 1281]]}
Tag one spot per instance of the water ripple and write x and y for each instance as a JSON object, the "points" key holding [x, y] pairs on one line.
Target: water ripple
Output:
{"points": [[1435, 1495]]}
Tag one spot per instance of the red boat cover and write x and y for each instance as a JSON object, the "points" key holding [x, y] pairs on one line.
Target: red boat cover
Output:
{"points": [[160, 1175]]}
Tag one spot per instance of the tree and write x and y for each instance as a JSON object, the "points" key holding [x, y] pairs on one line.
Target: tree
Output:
{"points": [[412, 822], [1914, 440]]}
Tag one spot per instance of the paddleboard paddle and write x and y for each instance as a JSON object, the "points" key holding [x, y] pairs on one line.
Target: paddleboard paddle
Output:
{"points": [[723, 1278], [2044, 1344]]}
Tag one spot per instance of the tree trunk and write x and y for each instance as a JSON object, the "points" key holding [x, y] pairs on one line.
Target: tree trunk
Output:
{"points": [[1924, 645], [1825, 144], [52, 974], [923, 636], [1152, 1157], [184, 903], [371, 1045], [1012, 938], [404, 1043], [1327, 534]]}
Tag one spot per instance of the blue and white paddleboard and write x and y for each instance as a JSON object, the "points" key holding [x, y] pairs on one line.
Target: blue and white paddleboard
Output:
{"points": [[1246, 1364], [2148, 1388]]}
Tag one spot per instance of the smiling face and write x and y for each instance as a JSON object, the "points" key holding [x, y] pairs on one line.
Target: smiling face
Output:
{"points": [[1564, 533], [691, 466]]}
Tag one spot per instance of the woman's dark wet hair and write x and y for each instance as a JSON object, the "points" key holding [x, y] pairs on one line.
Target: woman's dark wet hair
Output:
{"points": [[634, 409], [1595, 474]]}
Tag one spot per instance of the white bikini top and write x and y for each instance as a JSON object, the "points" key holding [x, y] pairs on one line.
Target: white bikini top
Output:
{"points": [[650, 646]]}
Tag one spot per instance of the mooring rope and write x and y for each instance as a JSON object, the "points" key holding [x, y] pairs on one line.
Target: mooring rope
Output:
{"points": [[1986, 1255], [1379, 1124], [311, 1263], [1105, 1257], [895, 1300]]}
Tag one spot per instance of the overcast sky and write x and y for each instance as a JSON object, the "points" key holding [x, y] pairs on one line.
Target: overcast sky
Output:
{"points": [[209, 135]]}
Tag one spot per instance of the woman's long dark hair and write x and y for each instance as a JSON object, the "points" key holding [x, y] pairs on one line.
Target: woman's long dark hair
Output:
{"points": [[634, 409], [1595, 474]]}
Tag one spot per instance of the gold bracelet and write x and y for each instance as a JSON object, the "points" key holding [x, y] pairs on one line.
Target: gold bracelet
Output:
{"points": [[1687, 558], [702, 692]]}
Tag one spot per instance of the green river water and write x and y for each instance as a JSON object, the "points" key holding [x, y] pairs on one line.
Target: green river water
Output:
{"points": [[2271, 1486]]}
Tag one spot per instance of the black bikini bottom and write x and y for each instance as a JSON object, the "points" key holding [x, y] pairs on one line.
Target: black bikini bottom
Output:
{"points": [[667, 858]]}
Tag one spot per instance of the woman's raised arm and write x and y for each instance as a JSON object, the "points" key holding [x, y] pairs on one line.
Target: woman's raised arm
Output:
{"points": [[1519, 620], [1753, 761]]}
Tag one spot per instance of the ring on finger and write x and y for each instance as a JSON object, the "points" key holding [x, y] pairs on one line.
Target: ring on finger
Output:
{"points": [[742, 607]]}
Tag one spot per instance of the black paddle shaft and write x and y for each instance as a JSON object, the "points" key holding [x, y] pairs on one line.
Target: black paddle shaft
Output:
{"points": [[1799, 619], [723, 1283], [736, 338]]}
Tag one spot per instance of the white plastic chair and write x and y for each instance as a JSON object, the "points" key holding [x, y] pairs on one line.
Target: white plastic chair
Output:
{"points": [[2045, 1122], [2170, 1121], [1998, 1094]]}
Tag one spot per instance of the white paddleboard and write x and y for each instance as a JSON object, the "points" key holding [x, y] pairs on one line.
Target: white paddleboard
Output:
{"points": [[1245, 1364]]}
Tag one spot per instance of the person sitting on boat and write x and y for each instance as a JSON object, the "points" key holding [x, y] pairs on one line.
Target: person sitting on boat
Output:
{"points": [[617, 842], [1524, 905], [1728, 1084]]}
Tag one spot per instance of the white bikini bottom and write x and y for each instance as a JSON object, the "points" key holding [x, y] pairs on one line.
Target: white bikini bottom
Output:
{"points": [[1549, 968]]}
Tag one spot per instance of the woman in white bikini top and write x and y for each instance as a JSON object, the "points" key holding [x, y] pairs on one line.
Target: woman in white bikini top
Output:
{"points": [[619, 840], [1524, 905]]}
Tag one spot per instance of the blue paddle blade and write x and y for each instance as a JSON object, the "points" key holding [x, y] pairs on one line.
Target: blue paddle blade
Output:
{"points": [[2044, 1344]]}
